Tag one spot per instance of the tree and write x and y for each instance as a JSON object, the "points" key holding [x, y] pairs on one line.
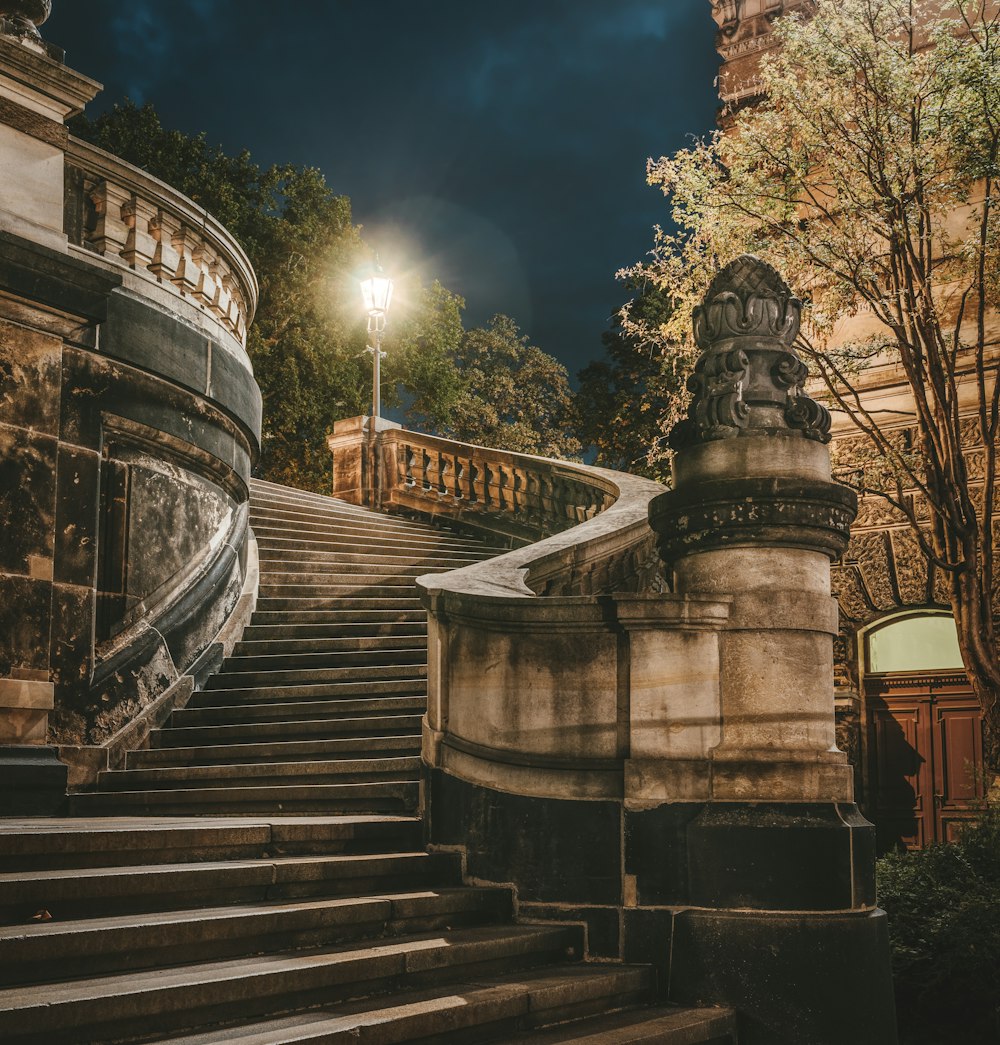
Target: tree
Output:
{"points": [[868, 176], [512, 395], [625, 403]]}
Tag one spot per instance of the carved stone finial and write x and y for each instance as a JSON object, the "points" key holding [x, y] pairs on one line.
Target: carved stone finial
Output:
{"points": [[22, 17], [749, 379], [748, 298]]}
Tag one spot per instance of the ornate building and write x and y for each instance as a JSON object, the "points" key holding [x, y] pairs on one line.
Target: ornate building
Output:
{"points": [[907, 715]]}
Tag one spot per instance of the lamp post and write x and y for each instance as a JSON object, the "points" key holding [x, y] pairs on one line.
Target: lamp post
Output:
{"points": [[377, 293]]}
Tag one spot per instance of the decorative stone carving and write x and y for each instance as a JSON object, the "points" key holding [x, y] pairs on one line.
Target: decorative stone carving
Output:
{"points": [[746, 328], [22, 17], [770, 512], [911, 567], [718, 409], [875, 512], [872, 555], [850, 594], [748, 298]]}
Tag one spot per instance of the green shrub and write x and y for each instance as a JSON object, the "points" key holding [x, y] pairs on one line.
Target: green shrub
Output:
{"points": [[943, 904]]}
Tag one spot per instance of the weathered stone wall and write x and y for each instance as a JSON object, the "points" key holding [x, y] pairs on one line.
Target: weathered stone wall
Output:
{"points": [[129, 419]]}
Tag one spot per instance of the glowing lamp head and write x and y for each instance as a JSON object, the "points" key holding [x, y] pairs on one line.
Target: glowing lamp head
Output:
{"points": [[377, 292]]}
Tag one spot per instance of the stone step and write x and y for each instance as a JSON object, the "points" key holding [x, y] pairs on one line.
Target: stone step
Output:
{"points": [[114, 1007], [336, 565], [297, 730], [309, 519], [385, 616], [384, 653], [263, 492], [60, 842], [291, 711], [94, 892], [337, 535], [344, 690], [359, 588], [256, 635], [306, 750], [662, 1025], [346, 603], [53, 951], [487, 1009], [261, 511], [411, 635], [387, 560], [335, 581], [393, 796], [406, 670], [256, 774]]}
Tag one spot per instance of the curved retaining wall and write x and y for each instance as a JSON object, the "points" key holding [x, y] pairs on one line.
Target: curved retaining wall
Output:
{"points": [[129, 420]]}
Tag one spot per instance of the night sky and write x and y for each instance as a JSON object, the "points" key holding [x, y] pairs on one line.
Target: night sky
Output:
{"points": [[499, 147]]}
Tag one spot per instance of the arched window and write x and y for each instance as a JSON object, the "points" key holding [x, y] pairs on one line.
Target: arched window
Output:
{"points": [[924, 641]]}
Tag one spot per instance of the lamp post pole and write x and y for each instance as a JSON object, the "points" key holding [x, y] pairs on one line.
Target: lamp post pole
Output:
{"points": [[377, 293], [376, 324]]}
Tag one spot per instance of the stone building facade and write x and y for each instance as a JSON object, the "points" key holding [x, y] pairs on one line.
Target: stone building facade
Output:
{"points": [[906, 713]]}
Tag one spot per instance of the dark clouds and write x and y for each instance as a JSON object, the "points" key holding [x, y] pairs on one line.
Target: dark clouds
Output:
{"points": [[502, 146]]}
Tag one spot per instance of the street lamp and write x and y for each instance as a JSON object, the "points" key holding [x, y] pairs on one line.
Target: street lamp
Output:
{"points": [[377, 293]]}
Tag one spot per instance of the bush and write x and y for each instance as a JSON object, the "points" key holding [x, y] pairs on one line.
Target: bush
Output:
{"points": [[943, 904]]}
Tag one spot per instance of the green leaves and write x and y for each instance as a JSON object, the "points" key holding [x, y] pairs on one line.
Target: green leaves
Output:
{"points": [[512, 395], [943, 905]]}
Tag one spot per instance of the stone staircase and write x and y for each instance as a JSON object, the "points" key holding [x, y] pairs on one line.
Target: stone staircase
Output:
{"points": [[257, 876]]}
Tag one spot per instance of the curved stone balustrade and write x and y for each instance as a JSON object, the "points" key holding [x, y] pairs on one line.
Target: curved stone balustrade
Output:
{"points": [[518, 496], [132, 218]]}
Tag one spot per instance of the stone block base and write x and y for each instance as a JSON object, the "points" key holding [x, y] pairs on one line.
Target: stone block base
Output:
{"points": [[32, 781], [808, 979], [766, 907]]}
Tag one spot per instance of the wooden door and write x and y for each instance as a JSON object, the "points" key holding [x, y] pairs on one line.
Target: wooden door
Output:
{"points": [[925, 758]]}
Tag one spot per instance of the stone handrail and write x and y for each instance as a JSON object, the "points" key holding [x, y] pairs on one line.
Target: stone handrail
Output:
{"points": [[585, 528], [128, 216]]}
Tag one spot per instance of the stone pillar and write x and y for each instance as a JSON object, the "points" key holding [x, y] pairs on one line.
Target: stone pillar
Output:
{"points": [[780, 861], [354, 445]]}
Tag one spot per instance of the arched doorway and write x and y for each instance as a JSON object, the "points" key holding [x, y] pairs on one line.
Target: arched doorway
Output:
{"points": [[924, 730]]}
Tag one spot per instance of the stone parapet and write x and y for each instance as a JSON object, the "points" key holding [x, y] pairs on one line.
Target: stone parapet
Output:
{"points": [[143, 225]]}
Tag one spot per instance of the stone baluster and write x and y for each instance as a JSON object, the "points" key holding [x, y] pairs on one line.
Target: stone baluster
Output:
{"points": [[232, 310], [408, 458], [546, 500], [188, 274], [140, 245], [206, 290], [502, 479], [223, 302], [533, 497], [459, 486], [444, 467], [475, 480], [517, 493], [111, 231], [488, 496], [163, 228], [432, 467]]}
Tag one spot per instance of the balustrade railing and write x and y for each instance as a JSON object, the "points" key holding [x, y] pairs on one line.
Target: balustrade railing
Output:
{"points": [[129, 217], [576, 530], [516, 495]]}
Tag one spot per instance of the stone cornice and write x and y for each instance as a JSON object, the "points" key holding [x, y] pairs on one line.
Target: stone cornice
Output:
{"points": [[68, 90]]}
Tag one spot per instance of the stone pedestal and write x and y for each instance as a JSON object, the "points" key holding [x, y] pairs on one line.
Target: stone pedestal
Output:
{"points": [[357, 459], [779, 862]]}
